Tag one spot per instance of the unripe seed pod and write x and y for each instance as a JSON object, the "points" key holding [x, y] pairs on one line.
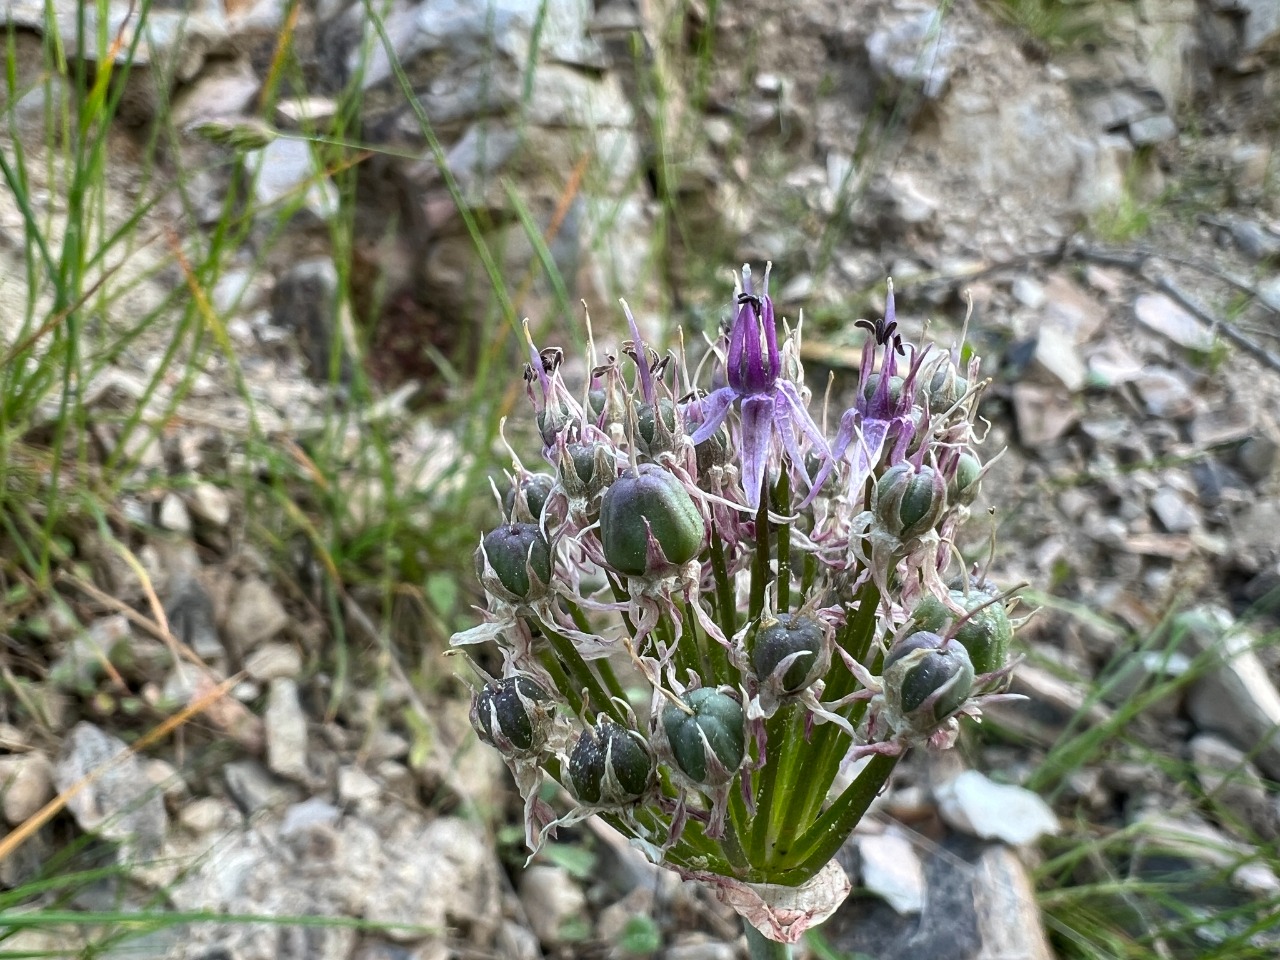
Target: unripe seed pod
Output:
{"points": [[610, 765], [791, 635], [597, 400], [986, 635], [909, 501], [712, 452], [945, 388], [872, 386], [709, 744], [551, 420], [586, 469], [536, 488], [646, 421], [512, 550], [965, 484], [927, 678], [648, 500], [513, 714]]}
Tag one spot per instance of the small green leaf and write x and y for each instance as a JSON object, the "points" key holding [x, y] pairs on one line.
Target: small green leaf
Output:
{"points": [[579, 862], [640, 935], [442, 592]]}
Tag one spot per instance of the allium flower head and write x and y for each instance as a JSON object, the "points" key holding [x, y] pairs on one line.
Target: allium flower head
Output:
{"points": [[770, 407], [779, 627]]}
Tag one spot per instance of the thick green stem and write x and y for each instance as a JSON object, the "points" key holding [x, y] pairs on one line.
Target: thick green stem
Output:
{"points": [[782, 503], [760, 947]]}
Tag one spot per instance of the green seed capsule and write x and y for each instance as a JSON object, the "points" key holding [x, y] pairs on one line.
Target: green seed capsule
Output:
{"points": [[709, 744], [927, 678], [790, 635], [965, 485], [986, 635], [610, 766], [872, 386], [909, 501], [946, 387], [643, 500], [513, 714], [647, 425], [509, 548], [536, 488]]}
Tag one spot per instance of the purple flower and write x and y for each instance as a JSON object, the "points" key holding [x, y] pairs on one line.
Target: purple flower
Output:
{"points": [[769, 405], [885, 400]]}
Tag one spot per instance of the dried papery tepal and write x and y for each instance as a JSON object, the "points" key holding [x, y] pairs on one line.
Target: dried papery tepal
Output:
{"points": [[705, 607]]}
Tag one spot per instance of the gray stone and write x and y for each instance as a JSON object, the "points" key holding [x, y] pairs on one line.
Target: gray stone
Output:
{"points": [[224, 90], [285, 172], [1153, 130], [1222, 424], [975, 804], [206, 814], [1175, 513], [702, 949], [305, 301], [1254, 240], [1043, 414], [189, 610], [1157, 312], [254, 788], [1111, 363], [272, 661], [1261, 24], [1248, 167], [1028, 292], [891, 870], [173, 514], [1056, 359], [255, 615], [1105, 182], [980, 905], [1116, 109], [1256, 457], [118, 803], [1172, 846], [552, 900], [356, 786], [26, 785], [1235, 696], [1255, 534], [916, 52], [209, 503], [440, 875], [1005, 902], [1164, 394], [1232, 786], [1052, 703], [1269, 292], [176, 40], [286, 730]]}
